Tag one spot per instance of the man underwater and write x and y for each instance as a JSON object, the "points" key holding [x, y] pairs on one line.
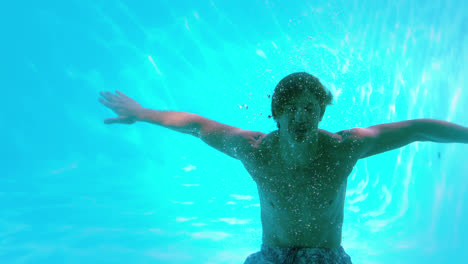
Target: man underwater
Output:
{"points": [[300, 170]]}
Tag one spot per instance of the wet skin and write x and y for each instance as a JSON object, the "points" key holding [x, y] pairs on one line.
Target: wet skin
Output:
{"points": [[301, 174]]}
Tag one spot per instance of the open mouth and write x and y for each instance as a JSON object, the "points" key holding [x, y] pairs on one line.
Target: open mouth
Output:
{"points": [[300, 129]]}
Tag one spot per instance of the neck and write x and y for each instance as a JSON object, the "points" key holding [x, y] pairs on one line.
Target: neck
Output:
{"points": [[290, 141], [299, 152]]}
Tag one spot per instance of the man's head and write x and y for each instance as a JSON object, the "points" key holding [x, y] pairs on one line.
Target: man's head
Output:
{"points": [[300, 99]]}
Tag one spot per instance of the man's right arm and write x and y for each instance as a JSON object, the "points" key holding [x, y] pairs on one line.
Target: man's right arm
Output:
{"points": [[233, 141], [183, 122]]}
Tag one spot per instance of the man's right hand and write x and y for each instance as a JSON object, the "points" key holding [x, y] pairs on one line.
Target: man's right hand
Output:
{"points": [[125, 107]]}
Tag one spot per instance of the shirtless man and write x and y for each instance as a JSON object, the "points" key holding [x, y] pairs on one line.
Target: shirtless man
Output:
{"points": [[301, 171]]}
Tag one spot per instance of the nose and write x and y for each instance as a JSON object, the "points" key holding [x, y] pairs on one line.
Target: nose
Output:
{"points": [[303, 116]]}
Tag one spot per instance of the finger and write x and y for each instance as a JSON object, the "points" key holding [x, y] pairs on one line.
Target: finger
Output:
{"points": [[122, 94], [113, 120], [108, 104], [120, 119], [109, 96], [110, 121], [104, 94]]}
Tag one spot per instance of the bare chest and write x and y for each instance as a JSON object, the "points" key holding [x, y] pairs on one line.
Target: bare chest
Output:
{"points": [[302, 198], [315, 185]]}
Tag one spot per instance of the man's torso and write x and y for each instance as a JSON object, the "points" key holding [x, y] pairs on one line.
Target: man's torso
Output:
{"points": [[302, 205]]}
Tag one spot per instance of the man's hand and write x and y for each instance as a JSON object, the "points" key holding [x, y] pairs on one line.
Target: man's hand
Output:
{"points": [[124, 106]]}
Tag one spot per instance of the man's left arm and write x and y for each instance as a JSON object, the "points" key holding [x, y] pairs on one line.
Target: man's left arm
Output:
{"points": [[440, 131], [366, 142]]}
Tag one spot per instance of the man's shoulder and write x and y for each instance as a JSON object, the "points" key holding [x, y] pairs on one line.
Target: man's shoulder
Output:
{"points": [[271, 137], [264, 148], [269, 143], [354, 141], [342, 142], [354, 133], [329, 139], [328, 135]]}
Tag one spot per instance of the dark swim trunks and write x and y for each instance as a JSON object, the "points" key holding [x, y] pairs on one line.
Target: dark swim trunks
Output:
{"points": [[276, 255]]}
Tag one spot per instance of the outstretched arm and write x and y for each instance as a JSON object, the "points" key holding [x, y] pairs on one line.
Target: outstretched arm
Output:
{"points": [[366, 142], [440, 131], [233, 141], [129, 111]]}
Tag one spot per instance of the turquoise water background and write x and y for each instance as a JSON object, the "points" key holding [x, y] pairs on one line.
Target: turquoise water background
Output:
{"points": [[74, 190]]}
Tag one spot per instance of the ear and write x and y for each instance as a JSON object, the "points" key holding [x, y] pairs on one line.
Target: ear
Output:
{"points": [[323, 108]]}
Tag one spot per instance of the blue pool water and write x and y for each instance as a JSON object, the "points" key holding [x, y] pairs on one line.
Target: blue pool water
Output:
{"points": [[74, 190]]}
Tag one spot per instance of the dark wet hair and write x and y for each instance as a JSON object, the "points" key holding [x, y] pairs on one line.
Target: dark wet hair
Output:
{"points": [[293, 86]]}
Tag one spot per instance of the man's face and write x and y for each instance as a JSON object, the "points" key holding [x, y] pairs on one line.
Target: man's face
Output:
{"points": [[300, 117]]}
